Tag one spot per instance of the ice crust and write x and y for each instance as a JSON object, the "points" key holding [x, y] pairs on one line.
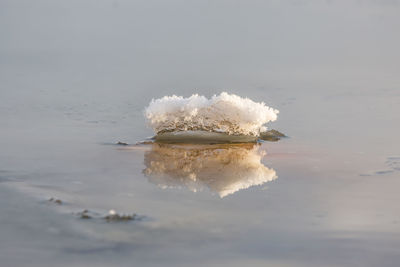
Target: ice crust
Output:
{"points": [[225, 113]]}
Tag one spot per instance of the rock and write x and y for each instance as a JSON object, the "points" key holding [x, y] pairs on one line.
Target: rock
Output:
{"points": [[122, 143], [84, 215], [57, 201], [271, 135], [115, 217], [112, 216]]}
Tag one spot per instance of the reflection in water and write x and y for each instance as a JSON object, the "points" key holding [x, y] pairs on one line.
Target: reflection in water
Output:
{"points": [[222, 168]]}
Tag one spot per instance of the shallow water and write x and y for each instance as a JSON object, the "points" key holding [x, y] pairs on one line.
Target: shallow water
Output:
{"points": [[76, 81]]}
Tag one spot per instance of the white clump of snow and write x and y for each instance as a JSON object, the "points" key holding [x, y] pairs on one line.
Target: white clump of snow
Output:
{"points": [[112, 212], [226, 113]]}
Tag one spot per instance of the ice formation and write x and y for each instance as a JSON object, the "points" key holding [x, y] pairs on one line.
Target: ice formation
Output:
{"points": [[224, 113]]}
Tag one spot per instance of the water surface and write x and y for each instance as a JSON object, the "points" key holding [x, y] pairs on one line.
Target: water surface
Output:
{"points": [[75, 77]]}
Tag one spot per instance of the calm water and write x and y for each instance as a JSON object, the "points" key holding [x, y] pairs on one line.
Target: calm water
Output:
{"points": [[75, 77]]}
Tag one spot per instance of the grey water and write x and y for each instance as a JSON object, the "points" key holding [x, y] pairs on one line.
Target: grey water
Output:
{"points": [[75, 77]]}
